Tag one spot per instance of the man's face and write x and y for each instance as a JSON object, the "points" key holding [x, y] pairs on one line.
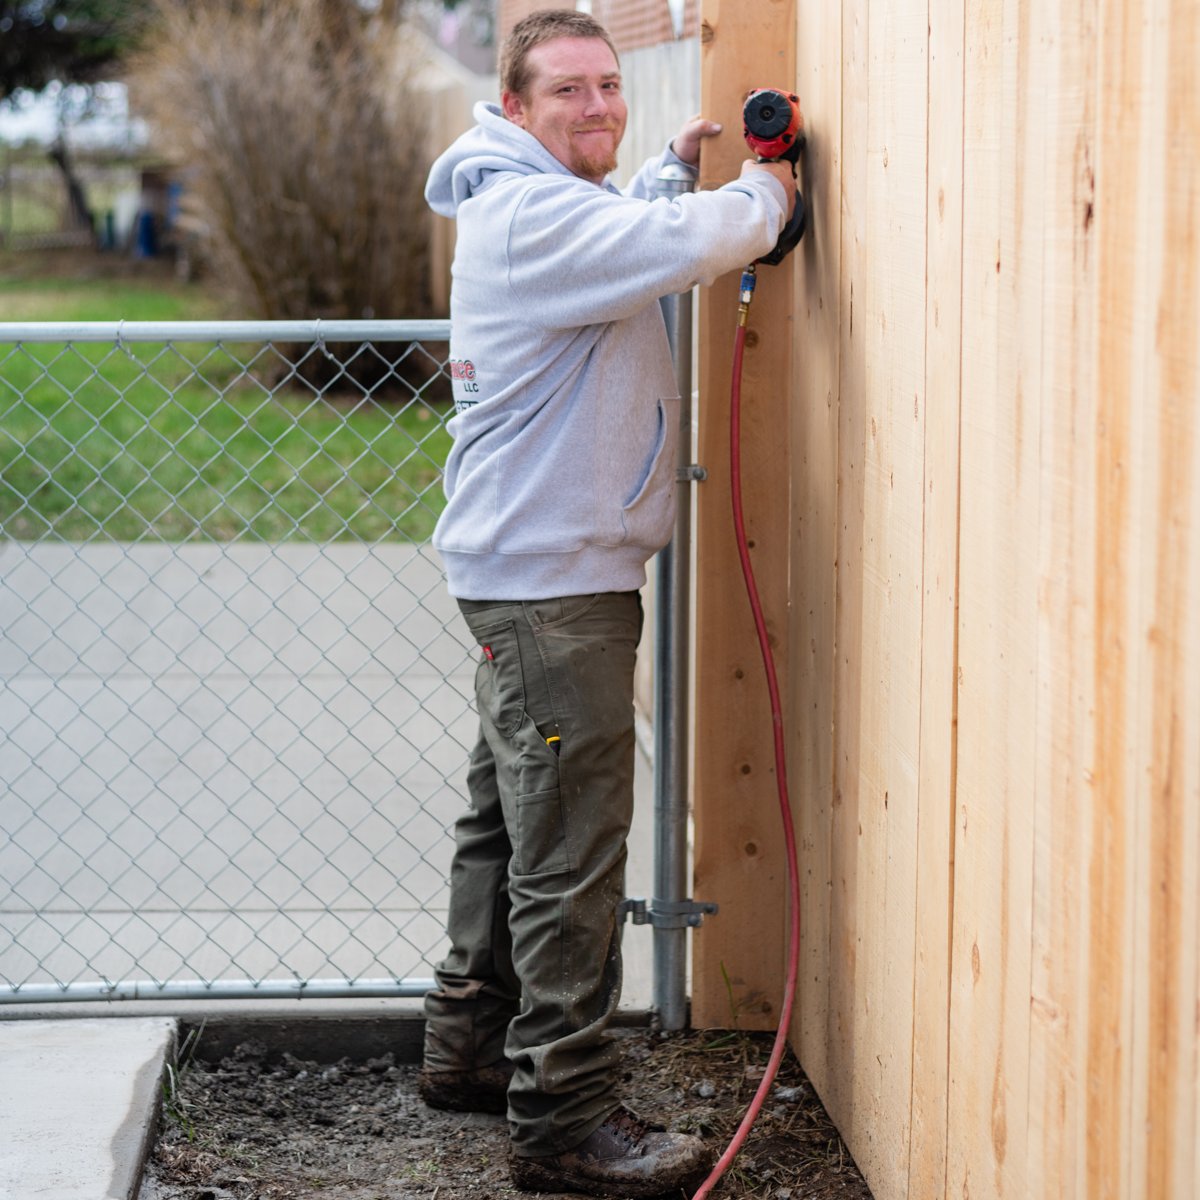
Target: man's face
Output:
{"points": [[573, 104]]}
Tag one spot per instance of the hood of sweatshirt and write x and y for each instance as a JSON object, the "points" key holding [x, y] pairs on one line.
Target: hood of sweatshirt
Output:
{"points": [[494, 147]]}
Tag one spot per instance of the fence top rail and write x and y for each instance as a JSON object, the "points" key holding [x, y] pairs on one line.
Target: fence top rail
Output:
{"points": [[224, 331]]}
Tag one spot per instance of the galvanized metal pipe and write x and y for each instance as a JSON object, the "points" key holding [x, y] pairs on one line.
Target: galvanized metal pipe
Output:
{"points": [[316, 331], [671, 680], [217, 989]]}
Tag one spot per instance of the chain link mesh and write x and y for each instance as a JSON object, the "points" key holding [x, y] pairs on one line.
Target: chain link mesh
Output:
{"points": [[234, 695]]}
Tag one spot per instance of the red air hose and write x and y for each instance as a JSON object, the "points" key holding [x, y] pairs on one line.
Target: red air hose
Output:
{"points": [[760, 625]]}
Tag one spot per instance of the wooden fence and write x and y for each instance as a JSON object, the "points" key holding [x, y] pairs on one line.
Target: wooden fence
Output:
{"points": [[973, 414]]}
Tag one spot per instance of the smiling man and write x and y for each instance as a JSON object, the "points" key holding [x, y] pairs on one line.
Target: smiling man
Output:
{"points": [[572, 103], [560, 485]]}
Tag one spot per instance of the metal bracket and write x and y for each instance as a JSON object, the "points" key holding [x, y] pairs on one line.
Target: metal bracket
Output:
{"points": [[691, 474], [667, 914]]}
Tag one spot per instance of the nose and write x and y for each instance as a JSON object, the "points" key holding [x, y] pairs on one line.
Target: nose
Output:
{"points": [[596, 103]]}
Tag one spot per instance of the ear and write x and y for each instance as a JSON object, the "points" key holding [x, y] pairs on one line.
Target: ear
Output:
{"points": [[513, 107]]}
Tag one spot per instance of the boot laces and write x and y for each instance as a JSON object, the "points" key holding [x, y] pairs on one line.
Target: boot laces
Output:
{"points": [[629, 1127]]}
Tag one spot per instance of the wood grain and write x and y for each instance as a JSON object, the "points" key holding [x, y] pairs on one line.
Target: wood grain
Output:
{"points": [[738, 956]]}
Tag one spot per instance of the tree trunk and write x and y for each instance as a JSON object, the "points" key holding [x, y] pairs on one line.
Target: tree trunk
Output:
{"points": [[81, 214]]}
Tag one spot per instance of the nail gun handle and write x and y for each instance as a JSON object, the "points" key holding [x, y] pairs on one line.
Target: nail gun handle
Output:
{"points": [[790, 155], [793, 231]]}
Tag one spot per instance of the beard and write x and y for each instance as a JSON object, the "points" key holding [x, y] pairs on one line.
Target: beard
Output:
{"points": [[598, 163], [594, 165]]}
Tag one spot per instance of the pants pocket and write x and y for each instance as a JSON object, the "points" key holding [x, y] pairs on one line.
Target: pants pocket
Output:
{"points": [[540, 847], [499, 679]]}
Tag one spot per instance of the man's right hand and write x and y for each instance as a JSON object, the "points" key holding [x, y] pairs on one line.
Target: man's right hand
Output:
{"points": [[781, 171]]}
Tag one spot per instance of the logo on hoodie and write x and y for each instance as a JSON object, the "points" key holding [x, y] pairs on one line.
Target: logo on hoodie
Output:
{"points": [[462, 372]]}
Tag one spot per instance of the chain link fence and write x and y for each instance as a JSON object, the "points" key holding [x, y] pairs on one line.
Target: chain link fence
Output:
{"points": [[234, 693], [35, 213]]}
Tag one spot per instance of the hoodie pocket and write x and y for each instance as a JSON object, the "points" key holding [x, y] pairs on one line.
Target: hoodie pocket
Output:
{"points": [[649, 515]]}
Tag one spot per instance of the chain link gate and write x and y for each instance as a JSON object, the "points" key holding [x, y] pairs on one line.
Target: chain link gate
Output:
{"points": [[235, 698]]}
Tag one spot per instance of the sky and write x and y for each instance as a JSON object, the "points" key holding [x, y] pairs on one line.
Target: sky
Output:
{"points": [[33, 116]]}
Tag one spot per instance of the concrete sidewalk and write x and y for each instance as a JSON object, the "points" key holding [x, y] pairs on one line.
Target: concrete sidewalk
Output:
{"points": [[78, 1106]]}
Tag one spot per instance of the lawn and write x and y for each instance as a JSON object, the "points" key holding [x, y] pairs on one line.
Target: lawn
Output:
{"points": [[81, 286], [181, 441]]}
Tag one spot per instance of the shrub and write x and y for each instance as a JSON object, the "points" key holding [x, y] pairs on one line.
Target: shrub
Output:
{"points": [[300, 139]]}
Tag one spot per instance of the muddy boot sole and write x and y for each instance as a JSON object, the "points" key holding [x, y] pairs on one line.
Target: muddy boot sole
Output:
{"points": [[625, 1157], [527, 1176]]}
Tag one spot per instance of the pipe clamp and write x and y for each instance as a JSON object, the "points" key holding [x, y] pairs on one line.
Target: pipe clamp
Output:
{"points": [[667, 914]]}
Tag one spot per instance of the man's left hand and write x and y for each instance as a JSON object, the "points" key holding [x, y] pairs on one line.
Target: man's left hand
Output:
{"points": [[686, 142]]}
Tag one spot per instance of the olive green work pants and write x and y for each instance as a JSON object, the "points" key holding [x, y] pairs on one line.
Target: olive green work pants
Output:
{"points": [[534, 968]]}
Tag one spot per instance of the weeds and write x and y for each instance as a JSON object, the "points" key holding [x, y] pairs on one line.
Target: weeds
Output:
{"points": [[175, 1107]]}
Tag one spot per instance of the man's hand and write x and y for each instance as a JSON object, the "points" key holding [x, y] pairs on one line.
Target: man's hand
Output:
{"points": [[686, 142], [782, 171]]}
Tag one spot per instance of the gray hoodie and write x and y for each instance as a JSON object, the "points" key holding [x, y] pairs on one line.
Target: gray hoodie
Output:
{"points": [[560, 479]]}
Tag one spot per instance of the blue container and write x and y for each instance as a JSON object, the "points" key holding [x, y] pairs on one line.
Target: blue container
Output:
{"points": [[146, 239]]}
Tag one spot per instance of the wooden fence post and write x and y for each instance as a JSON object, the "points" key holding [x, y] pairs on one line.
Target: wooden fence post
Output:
{"points": [[738, 962]]}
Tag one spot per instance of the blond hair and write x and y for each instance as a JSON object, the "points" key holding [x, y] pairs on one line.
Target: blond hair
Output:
{"points": [[541, 27]]}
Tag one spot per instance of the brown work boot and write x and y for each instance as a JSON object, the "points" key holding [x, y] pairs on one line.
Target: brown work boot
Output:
{"points": [[625, 1156], [483, 1089]]}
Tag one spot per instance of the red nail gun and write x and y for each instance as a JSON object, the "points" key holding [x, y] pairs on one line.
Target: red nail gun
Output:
{"points": [[773, 127]]}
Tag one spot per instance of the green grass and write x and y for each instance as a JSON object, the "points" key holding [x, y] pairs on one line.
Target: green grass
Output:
{"points": [[26, 215], [194, 441], [25, 297]]}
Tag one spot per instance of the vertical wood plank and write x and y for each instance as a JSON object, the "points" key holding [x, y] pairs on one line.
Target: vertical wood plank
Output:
{"points": [[1174, 753], [814, 413], [889, 315], [998, 597], [939, 618], [1164, 781], [1107, 1010], [738, 849], [1065, 751], [844, 944]]}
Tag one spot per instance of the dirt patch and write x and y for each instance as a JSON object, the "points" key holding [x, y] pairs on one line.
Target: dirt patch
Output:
{"points": [[257, 1126]]}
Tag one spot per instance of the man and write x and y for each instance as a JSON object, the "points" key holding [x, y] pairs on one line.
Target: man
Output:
{"points": [[560, 485]]}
